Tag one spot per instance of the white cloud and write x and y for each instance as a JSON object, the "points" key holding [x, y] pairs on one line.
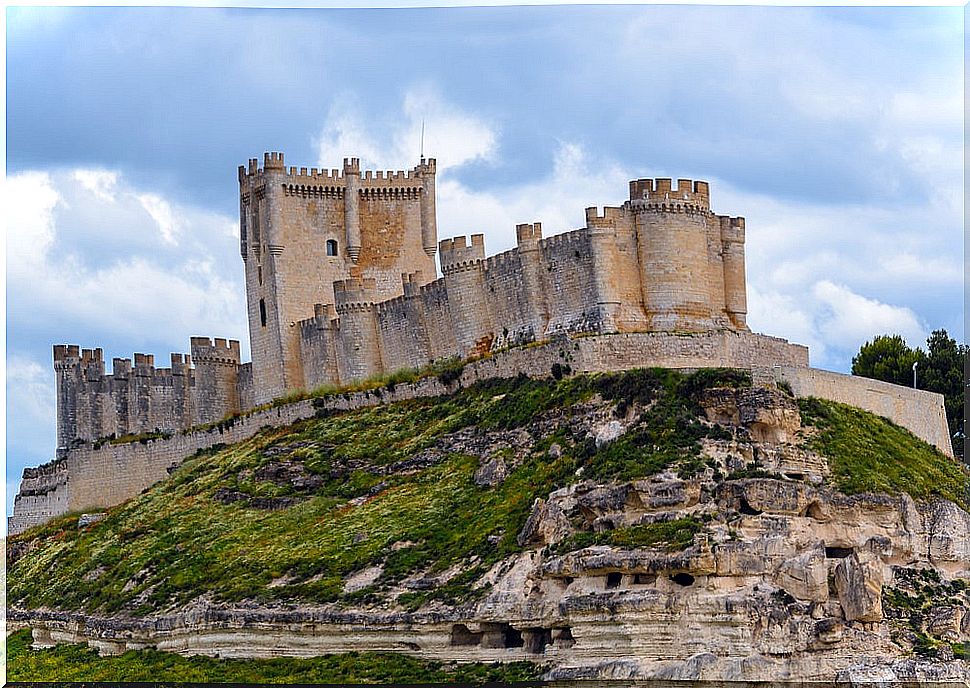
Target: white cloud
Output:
{"points": [[847, 320], [30, 201], [169, 224], [32, 385], [102, 183], [452, 136], [121, 263]]}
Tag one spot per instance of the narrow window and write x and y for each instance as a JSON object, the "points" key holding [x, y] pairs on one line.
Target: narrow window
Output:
{"points": [[262, 312], [331, 247], [259, 273]]}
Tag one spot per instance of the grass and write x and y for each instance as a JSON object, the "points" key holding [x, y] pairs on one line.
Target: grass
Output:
{"points": [[673, 536], [385, 493], [868, 453], [79, 663]]}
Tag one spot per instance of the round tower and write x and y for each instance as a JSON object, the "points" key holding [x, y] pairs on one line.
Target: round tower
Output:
{"points": [[352, 207], [462, 265], [735, 289], [358, 349], [672, 229], [429, 222], [216, 378]]}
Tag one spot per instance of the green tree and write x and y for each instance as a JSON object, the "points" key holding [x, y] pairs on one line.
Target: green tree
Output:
{"points": [[945, 374], [888, 358]]}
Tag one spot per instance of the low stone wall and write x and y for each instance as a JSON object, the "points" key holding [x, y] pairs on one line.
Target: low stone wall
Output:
{"points": [[919, 411], [90, 478]]}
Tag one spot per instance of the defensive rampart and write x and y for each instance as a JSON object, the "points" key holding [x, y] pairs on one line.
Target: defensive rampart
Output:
{"points": [[90, 478]]}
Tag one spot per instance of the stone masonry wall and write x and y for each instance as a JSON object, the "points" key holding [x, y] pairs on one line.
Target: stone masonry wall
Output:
{"points": [[910, 408], [141, 398], [661, 262], [90, 479]]}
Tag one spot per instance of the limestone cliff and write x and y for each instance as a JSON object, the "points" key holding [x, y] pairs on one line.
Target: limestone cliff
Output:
{"points": [[645, 524]]}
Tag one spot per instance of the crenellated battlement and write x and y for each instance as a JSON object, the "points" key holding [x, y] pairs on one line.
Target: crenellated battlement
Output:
{"points": [[144, 361], [411, 282], [607, 220], [732, 229], [528, 234], [566, 239], [457, 254], [658, 195], [219, 350], [67, 354], [354, 294]]}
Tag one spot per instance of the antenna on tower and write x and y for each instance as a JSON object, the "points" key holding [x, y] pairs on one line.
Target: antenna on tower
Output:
{"points": [[422, 138]]}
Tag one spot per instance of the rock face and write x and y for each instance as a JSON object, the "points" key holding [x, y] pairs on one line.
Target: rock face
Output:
{"points": [[675, 577]]}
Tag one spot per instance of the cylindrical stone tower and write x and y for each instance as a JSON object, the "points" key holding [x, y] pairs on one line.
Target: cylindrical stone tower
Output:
{"points": [[429, 222], [358, 350], [735, 289], [352, 207], [463, 268], [216, 377], [672, 236]]}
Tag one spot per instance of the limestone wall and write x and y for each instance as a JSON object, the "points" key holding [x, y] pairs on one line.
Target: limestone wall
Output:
{"points": [[918, 411], [141, 398], [89, 478], [661, 262]]}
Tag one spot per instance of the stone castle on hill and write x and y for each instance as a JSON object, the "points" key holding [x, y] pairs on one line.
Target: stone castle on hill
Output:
{"points": [[340, 284]]}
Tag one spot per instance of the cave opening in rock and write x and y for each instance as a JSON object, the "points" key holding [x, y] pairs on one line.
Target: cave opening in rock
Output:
{"points": [[535, 640], [644, 579], [460, 635], [837, 552], [747, 509], [683, 579], [563, 637], [512, 637], [814, 510], [613, 580]]}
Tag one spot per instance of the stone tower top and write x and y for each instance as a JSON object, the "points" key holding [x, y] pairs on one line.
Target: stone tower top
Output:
{"points": [[457, 254], [658, 194]]}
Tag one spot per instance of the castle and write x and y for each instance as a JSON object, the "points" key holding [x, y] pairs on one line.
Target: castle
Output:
{"points": [[340, 284]]}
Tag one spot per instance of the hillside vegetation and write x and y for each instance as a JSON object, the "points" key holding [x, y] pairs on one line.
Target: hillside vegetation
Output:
{"points": [[426, 495], [289, 514]]}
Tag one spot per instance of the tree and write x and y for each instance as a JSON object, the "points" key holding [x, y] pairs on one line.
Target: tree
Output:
{"points": [[888, 358], [945, 374]]}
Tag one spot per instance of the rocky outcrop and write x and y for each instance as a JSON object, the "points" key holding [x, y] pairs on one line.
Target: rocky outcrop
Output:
{"points": [[686, 575]]}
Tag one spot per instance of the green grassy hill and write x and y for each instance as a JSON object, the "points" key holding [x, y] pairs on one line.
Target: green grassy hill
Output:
{"points": [[288, 515]]}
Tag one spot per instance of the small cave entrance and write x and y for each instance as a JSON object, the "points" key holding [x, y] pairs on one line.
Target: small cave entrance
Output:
{"points": [[682, 579], [613, 580], [563, 638], [749, 510], [644, 579], [838, 552], [499, 635], [814, 511], [460, 635], [535, 640]]}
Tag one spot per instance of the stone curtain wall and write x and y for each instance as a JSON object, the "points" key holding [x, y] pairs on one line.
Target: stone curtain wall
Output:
{"points": [[919, 411], [91, 479], [141, 398], [661, 262]]}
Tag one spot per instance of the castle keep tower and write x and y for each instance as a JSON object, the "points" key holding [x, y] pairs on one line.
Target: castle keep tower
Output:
{"points": [[691, 260], [302, 230]]}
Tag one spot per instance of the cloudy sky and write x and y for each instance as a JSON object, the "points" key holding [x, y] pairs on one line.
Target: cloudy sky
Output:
{"points": [[837, 133]]}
